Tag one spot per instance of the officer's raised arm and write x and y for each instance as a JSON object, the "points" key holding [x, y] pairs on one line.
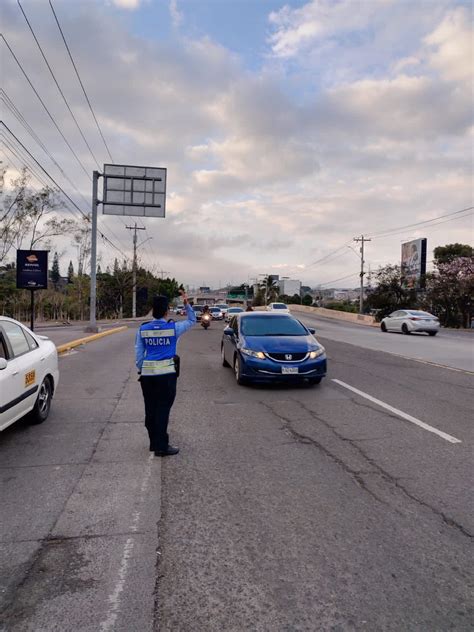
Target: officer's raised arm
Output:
{"points": [[184, 325]]}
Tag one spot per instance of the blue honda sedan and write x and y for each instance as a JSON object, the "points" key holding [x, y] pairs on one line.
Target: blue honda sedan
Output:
{"points": [[267, 347]]}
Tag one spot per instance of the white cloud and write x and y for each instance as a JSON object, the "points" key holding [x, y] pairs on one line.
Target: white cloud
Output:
{"points": [[176, 15], [451, 45], [131, 5]]}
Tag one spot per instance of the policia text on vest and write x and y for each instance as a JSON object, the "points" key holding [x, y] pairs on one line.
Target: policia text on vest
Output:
{"points": [[158, 365]]}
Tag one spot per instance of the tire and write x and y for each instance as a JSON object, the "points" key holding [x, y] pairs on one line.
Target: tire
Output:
{"points": [[42, 406], [405, 329], [224, 361], [238, 371], [383, 327], [315, 380], [432, 333]]}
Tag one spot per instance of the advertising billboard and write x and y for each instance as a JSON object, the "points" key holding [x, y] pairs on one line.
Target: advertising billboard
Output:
{"points": [[413, 263], [32, 269]]}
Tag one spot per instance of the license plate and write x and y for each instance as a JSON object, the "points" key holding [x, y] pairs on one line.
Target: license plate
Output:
{"points": [[289, 369]]}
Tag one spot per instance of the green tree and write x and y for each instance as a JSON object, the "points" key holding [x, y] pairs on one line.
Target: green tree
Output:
{"points": [[389, 294], [70, 273], [55, 274], [450, 292], [307, 300], [445, 254]]}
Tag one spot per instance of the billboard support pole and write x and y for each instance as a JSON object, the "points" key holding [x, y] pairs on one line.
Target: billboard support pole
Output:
{"points": [[32, 320], [362, 240], [92, 327]]}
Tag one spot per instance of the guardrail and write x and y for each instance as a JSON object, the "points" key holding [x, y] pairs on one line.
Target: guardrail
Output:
{"points": [[360, 319]]}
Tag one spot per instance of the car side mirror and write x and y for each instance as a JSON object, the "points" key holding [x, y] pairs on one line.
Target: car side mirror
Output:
{"points": [[228, 331], [3, 364], [311, 330]]}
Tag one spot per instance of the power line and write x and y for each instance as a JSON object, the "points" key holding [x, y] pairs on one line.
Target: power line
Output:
{"points": [[429, 227], [22, 120], [329, 255], [86, 217], [58, 86], [45, 107], [427, 221], [340, 279], [80, 81]]}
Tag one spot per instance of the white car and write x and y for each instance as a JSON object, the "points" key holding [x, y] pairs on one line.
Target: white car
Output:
{"points": [[216, 313], [410, 320], [281, 308], [223, 307], [29, 373], [231, 312]]}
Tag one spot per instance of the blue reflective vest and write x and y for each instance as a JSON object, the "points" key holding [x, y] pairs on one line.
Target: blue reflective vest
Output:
{"points": [[159, 338]]}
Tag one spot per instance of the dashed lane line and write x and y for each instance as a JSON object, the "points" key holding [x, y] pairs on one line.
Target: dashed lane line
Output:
{"points": [[399, 413]]}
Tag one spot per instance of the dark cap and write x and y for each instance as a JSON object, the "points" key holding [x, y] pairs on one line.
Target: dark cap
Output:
{"points": [[160, 306]]}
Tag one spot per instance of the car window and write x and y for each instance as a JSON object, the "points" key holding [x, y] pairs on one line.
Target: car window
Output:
{"points": [[3, 349], [31, 341], [279, 306], [16, 338], [233, 324], [272, 325]]}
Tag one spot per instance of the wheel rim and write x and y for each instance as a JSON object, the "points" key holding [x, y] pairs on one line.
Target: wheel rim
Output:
{"points": [[236, 369], [222, 353], [43, 398]]}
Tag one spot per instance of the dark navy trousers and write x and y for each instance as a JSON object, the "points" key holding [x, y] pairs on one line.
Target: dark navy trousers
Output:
{"points": [[159, 392]]}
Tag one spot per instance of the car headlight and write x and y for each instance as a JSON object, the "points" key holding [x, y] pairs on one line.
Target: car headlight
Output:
{"points": [[254, 354], [317, 352]]}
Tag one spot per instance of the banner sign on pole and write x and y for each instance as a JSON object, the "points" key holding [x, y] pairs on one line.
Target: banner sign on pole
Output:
{"points": [[135, 191], [32, 269], [413, 264]]}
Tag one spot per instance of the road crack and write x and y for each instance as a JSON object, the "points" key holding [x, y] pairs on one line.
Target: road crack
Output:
{"points": [[386, 476]]}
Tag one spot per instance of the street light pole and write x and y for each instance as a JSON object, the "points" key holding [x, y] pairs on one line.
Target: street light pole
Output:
{"points": [[134, 268]]}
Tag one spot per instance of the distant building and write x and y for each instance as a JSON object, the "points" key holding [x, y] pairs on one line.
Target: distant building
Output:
{"points": [[290, 287]]}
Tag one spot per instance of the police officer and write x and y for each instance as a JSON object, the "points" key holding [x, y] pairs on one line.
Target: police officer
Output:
{"points": [[157, 363]]}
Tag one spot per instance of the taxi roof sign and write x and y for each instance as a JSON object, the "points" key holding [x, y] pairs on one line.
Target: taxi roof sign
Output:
{"points": [[136, 191]]}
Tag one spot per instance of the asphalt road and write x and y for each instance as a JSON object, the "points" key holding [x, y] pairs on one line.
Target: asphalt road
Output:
{"points": [[287, 509]]}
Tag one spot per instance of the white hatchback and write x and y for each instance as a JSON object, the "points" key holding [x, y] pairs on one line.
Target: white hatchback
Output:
{"points": [[29, 373], [281, 308], [411, 320]]}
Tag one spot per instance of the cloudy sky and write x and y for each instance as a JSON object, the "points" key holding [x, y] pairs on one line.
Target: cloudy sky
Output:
{"points": [[287, 128]]}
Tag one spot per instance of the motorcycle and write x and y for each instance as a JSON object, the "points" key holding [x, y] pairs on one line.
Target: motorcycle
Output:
{"points": [[206, 320]]}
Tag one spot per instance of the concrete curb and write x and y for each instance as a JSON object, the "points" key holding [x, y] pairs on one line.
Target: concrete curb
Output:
{"points": [[82, 341]]}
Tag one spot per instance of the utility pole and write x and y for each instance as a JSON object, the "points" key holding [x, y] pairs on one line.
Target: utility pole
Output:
{"points": [[362, 241], [134, 268]]}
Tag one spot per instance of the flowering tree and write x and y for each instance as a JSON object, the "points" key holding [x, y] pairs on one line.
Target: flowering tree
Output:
{"points": [[450, 291]]}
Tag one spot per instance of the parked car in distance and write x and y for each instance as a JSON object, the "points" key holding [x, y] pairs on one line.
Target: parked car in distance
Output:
{"points": [[198, 309], [409, 321], [231, 312], [278, 307], [223, 307], [29, 373], [262, 347], [216, 313]]}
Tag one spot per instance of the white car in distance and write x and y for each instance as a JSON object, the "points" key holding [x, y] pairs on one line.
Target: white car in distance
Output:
{"points": [[223, 307], [29, 373], [281, 308], [231, 312], [408, 321]]}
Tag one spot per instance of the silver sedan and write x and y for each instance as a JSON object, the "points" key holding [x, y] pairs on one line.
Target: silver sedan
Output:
{"points": [[408, 321]]}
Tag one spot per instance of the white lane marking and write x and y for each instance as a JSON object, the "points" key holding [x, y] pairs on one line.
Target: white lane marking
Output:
{"points": [[114, 598], [400, 413]]}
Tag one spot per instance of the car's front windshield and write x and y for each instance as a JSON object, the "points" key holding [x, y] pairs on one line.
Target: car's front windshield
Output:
{"points": [[272, 326], [279, 306]]}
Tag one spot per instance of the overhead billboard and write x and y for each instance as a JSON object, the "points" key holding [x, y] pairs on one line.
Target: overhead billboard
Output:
{"points": [[413, 264], [32, 269], [134, 191]]}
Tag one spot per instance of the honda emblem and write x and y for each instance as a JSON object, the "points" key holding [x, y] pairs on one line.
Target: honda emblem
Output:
{"points": [[288, 356]]}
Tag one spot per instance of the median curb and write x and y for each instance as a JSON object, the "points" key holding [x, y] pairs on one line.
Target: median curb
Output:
{"points": [[67, 346]]}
